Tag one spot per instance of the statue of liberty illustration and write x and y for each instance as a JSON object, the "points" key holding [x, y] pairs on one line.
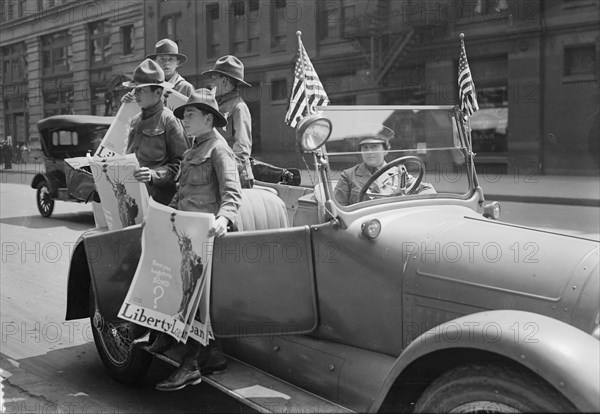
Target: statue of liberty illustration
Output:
{"points": [[128, 208], [191, 270]]}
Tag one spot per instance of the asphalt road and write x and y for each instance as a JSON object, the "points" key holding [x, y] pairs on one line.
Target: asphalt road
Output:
{"points": [[49, 365]]}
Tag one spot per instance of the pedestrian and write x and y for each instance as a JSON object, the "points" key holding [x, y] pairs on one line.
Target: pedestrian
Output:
{"points": [[7, 154], [208, 183], [156, 137], [226, 76]]}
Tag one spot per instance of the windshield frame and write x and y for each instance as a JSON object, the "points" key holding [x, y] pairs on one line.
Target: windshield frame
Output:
{"points": [[458, 121]]}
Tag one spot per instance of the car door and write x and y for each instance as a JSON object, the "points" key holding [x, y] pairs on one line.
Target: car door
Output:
{"points": [[263, 283]]}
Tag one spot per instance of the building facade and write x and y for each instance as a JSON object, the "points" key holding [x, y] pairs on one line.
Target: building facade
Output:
{"points": [[534, 63], [64, 57]]}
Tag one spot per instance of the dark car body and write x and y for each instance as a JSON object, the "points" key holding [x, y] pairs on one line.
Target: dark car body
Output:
{"points": [[62, 137], [340, 318]]}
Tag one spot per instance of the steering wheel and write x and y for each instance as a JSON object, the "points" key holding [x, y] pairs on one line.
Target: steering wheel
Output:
{"points": [[402, 160]]}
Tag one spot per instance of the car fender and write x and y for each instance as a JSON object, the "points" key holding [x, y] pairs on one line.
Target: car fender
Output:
{"points": [[38, 178], [564, 356]]}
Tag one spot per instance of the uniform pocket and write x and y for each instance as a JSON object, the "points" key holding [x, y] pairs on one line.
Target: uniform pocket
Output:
{"points": [[154, 145], [201, 171]]}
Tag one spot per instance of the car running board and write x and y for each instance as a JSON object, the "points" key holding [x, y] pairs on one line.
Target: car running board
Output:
{"points": [[263, 392]]}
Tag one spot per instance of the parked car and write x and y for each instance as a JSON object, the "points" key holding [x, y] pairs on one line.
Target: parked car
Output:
{"points": [[402, 302], [66, 136]]}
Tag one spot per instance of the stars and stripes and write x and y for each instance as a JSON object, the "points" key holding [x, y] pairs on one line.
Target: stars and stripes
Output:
{"points": [[307, 92], [466, 87]]}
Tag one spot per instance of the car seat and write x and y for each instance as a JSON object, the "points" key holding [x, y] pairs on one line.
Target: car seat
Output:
{"points": [[261, 209]]}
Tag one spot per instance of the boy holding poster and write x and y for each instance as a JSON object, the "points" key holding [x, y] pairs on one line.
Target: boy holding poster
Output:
{"points": [[209, 183], [156, 137]]}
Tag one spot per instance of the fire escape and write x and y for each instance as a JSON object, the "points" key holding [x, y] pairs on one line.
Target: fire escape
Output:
{"points": [[384, 35]]}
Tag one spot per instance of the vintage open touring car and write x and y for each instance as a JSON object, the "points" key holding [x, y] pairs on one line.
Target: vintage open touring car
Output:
{"points": [[402, 301]]}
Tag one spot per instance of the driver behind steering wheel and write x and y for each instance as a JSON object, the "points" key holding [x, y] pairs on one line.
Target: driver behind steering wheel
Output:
{"points": [[373, 150]]}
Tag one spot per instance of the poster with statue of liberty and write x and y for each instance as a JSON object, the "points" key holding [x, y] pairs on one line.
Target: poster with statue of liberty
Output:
{"points": [[124, 200], [173, 275]]}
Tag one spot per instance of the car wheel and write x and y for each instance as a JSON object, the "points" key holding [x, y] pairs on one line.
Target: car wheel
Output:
{"points": [[124, 362], [45, 202], [490, 389]]}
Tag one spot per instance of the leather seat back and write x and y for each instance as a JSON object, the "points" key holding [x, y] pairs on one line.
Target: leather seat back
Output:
{"points": [[261, 209]]}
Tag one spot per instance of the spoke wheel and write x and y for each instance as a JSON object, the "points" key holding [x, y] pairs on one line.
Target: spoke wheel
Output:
{"points": [[124, 362], [45, 202], [491, 389]]}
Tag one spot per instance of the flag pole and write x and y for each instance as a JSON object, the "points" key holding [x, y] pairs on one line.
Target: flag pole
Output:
{"points": [[467, 119], [319, 155]]}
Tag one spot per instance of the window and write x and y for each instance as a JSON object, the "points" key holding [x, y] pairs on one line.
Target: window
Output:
{"points": [[489, 125], [58, 96], [57, 55], [482, 9], [580, 62], [13, 63], [9, 12], [279, 90], [100, 44], [213, 38], [246, 19], [21, 8], [278, 25], [99, 92], [170, 27], [127, 39], [334, 16]]}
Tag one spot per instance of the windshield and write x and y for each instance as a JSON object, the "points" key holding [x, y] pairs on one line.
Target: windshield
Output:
{"points": [[368, 139]]}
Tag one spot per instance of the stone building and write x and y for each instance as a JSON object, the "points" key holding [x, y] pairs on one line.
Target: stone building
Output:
{"points": [[534, 63], [64, 57]]}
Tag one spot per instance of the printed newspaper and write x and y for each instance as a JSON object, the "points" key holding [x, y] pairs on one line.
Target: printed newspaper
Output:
{"points": [[170, 291]]}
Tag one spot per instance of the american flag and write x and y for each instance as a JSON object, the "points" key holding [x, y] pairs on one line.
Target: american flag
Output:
{"points": [[466, 87], [307, 89]]}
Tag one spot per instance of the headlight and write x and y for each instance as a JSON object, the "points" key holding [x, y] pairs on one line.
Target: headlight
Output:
{"points": [[312, 132]]}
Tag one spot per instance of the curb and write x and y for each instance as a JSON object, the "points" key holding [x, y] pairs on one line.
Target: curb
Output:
{"points": [[584, 202]]}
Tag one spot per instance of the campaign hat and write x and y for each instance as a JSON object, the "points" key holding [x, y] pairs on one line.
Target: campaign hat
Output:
{"points": [[167, 47], [205, 100], [230, 66], [146, 74]]}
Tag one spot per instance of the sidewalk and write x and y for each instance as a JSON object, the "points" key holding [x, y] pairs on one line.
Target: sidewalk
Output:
{"points": [[544, 189]]}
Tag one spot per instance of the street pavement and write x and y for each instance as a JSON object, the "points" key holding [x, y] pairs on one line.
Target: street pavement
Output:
{"points": [[523, 188]]}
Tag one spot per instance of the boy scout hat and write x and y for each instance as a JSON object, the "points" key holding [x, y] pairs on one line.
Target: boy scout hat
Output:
{"points": [[381, 135], [167, 47], [146, 74], [231, 66], [203, 99]]}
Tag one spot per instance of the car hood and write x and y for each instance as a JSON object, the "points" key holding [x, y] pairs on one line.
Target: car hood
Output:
{"points": [[452, 254]]}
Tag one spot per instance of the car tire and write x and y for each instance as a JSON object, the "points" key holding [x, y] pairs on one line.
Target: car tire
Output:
{"points": [[490, 389], [45, 202], [124, 362]]}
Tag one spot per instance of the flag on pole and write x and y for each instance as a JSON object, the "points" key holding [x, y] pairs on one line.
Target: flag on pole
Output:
{"points": [[307, 92], [466, 87]]}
